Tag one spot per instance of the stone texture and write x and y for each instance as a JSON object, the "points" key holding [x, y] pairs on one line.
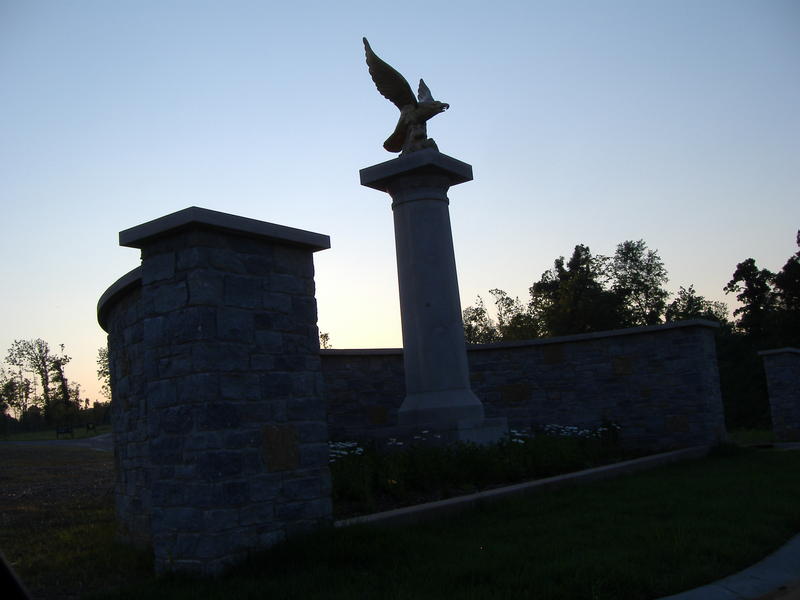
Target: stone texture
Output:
{"points": [[211, 341], [782, 368], [660, 384]]}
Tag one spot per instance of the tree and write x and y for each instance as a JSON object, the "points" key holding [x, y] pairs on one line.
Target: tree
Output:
{"points": [[325, 341], [36, 358], [787, 301], [33, 356], [62, 390], [689, 305], [753, 287], [571, 299], [637, 276], [104, 371], [514, 320], [478, 325]]}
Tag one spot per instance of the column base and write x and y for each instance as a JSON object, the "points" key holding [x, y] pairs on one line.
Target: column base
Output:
{"points": [[440, 409]]}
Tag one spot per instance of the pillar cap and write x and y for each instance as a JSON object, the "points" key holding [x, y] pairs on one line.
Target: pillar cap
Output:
{"points": [[194, 216], [426, 162]]}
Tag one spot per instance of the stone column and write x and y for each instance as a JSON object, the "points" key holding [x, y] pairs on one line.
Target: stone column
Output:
{"points": [[221, 443], [438, 392], [782, 367]]}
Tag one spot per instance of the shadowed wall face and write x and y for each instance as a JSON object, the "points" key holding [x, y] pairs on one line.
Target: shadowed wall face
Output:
{"points": [[659, 384], [219, 422], [782, 368]]}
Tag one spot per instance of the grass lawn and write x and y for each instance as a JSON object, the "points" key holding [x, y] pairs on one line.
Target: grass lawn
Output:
{"points": [[638, 537], [78, 432]]}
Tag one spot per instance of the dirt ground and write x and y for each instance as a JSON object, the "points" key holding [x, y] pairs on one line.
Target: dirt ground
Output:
{"points": [[55, 500]]}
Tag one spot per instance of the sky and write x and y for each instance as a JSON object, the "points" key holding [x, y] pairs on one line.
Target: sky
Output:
{"points": [[591, 122]]}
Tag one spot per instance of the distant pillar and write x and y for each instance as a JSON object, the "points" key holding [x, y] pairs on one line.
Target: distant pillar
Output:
{"points": [[438, 392], [782, 367]]}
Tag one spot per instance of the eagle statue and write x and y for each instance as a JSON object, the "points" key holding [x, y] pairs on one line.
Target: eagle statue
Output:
{"points": [[411, 133]]}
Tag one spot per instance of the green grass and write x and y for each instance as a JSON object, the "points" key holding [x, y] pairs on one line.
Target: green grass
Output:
{"points": [[78, 432], [745, 437], [638, 537]]}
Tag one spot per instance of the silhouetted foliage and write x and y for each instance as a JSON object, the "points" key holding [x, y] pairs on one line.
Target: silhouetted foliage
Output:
{"points": [[770, 312], [637, 276], [689, 305], [104, 372], [37, 387], [570, 298], [583, 294]]}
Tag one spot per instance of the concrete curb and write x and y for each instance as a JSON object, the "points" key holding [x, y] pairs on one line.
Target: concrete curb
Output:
{"points": [[450, 506]]}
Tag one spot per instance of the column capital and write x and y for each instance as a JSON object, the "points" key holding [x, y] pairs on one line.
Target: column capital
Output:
{"points": [[423, 162]]}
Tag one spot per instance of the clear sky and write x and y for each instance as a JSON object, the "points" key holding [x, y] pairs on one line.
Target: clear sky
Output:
{"points": [[676, 121]]}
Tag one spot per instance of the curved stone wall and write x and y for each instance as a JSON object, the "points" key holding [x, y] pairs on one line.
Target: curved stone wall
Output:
{"points": [[220, 435]]}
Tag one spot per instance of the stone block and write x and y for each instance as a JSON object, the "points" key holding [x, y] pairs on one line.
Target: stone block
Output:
{"points": [[306, 488], [262, 513], [218, 464], [161, 394], [259, 265], [174, 366], [244, 292], [158, 267], [220, 357], [311, 431], [287, 284], [178, 518], [220, 519], [276, 385], [277, 302], [264, 488], [280, 447], [306, 409], [166, 450], [242, 438], [167, 297], [217, 416], [176, 420], [153, 330], [205, 288], [235, 324], [235, 493], [314, 455], [239, 386]]}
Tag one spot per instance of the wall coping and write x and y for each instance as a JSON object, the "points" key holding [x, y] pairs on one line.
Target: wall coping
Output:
{"points": [[580, 337], [779, 351], [138, 236], [121, 286]]}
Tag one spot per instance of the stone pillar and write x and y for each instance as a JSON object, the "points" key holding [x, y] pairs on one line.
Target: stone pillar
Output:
{"points": [[782, 367], [228, 445], [438, 392]]}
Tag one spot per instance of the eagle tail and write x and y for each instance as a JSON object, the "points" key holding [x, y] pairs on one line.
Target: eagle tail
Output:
{"points": [[394, 143]]}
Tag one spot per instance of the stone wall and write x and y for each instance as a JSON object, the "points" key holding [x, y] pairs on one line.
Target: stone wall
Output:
{"points": [[782, 368], [660, 384], [219, 421]]}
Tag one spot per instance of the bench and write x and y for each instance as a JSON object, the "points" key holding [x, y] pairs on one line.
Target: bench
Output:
{"points": [[64, 431]]}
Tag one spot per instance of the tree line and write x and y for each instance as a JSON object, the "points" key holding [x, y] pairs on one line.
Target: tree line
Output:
{"points": [[589, 293], [35, 390]]}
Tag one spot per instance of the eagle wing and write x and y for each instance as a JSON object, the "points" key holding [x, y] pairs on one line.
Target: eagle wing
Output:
{"points": [[391, 84], [424, 93]]}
